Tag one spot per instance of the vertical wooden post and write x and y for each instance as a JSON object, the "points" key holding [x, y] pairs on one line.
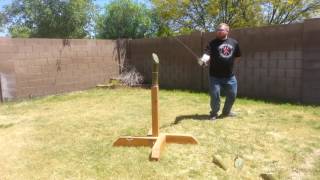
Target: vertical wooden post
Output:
{"points": [[1, 98], [154, 96], [157, 141]]}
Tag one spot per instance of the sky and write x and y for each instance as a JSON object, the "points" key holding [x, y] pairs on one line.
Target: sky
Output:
{"points": [[101, 3]]}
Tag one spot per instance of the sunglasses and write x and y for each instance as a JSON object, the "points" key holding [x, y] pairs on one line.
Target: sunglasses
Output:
{"points": [[222, 30]]}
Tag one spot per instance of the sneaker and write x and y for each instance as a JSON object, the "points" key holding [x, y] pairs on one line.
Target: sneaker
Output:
{"points": [[213, 117], [230, 114]]}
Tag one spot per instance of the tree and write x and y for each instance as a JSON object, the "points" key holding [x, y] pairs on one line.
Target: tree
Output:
{"points": [[203, 15], [158, 27], [238, 13], [49, 18], [289, 11], [183, 16], [1, 20], [124, 19]]}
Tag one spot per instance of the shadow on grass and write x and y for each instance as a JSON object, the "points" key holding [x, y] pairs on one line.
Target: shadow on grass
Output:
{"points": [[5, 126], [192, 117], [199, 117]]}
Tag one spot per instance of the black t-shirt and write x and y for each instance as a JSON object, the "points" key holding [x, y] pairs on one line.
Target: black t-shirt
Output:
{"points": [[222, 55]]}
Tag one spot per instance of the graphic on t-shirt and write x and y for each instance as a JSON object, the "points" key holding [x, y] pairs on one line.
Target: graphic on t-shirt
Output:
{"points": [[225, 50]]}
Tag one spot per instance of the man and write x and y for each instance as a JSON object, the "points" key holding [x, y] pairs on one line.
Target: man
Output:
{"points": [[222, 52]]}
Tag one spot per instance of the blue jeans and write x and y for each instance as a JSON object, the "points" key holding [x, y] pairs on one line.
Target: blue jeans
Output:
{"points": [[229, 87]]}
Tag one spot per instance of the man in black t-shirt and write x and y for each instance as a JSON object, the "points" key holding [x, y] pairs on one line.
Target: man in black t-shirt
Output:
{"points": [[221, 53]]}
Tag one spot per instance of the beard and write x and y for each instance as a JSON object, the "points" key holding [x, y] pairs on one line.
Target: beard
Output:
{"points": [[222, 36]]}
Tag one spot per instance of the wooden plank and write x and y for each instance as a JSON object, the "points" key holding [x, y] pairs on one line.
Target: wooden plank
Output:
{"points": [[158, 147], [134, 141], [217, 160], [149, 132], [181, 139], [1, 99], [155, 112]]}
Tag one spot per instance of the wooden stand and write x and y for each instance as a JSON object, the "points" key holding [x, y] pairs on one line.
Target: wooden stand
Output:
{"points": [[157, 140]]}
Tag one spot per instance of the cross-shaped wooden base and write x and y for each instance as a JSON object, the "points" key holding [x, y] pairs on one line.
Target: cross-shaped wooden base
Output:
{"points": [[157, 143], [157, 140]]}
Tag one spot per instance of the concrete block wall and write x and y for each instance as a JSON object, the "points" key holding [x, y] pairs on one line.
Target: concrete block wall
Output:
{"points": [[311, 62], [270, 66], [38, 67], [178, 67], [278, 62]]}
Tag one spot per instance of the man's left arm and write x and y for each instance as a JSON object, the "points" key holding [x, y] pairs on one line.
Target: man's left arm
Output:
{"points": [[238, 54], [237, 60]]}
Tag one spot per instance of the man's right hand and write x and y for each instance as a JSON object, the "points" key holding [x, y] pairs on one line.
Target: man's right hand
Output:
{"points": [[204, 60], [200, 62]]}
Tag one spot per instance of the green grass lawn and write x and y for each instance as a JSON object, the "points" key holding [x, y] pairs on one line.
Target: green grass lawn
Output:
{"points": [[70, 137]]}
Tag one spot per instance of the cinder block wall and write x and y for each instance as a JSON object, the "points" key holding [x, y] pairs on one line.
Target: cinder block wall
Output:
{"points": [[310, 82], [278, 62], [37, 67], [271, 63], [178, 67]]}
